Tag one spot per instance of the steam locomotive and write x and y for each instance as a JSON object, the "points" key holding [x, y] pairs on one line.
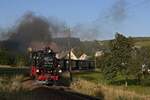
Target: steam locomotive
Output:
{"points": [[45, 67]]}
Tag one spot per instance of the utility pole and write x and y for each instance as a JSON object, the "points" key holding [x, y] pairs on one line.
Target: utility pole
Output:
{"points": [[95, 63], [69, 49]]}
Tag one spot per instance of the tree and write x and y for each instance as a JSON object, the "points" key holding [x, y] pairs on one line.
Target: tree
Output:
{"points": [[142, 57], [6, 57], [109, 68], [119, 61], [3, 57]]}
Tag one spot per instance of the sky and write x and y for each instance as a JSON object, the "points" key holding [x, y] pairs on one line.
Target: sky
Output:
{"points": [[88, 13]]}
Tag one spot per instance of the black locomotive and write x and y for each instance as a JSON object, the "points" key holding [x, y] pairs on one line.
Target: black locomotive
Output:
{"points": [[45, 66]]}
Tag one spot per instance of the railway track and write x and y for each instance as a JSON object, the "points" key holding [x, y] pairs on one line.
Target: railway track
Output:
{"points": [[42, 92]]}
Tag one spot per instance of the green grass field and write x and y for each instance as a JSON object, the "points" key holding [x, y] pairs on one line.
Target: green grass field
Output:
{"points": [[94, 76], [11, 71], [97, 77], [143, 43]]}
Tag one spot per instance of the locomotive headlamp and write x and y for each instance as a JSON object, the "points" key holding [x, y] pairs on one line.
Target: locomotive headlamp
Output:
{"points": [[37, 71], [60, 71], [49, 51]]}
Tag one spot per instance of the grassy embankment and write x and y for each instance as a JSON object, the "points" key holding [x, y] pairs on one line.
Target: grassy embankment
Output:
{"points": [[13, 71], [90, 83], [11, 87], [93, 83], [11, 82]]}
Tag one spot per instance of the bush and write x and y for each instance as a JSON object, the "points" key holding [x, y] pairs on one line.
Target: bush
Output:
{"points": [[4, 57], [14, 59], [11, 84], [88, 88]]}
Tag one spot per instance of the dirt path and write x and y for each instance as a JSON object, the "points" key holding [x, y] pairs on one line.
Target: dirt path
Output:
{"points": [[40, 92]]}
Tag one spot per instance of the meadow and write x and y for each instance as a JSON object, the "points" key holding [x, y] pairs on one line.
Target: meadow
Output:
{"points": [[93, 83], [12, 71]]}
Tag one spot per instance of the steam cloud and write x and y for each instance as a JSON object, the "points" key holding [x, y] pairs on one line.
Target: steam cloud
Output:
{"points": [[119, 11], [105, 25]]}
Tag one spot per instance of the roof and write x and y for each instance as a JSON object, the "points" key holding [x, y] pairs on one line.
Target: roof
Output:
{"points": [[65, 55], [83, 57]]}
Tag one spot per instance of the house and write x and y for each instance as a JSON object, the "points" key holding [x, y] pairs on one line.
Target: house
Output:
{"points": [[99, 53], [83, 57], [65, 55]]}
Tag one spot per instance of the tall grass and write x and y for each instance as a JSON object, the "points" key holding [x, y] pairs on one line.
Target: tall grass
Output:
{"points": [[106, 92], [11, 87], [11, 83]]}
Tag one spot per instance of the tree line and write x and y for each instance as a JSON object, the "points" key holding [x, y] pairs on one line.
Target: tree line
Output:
{"points": [[14, 59], [125, 61]]}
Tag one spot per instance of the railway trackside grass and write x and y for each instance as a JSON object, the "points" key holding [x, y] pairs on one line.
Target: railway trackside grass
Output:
{"points": [[93, 76], [97, 78], [106, 92]]}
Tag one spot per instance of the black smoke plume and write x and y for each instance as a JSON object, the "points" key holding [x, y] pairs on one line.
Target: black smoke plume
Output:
{"points": [[31, 28]]}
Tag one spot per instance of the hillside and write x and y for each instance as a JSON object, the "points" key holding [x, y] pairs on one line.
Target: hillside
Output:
{"points": [[89, 47], [142, 41], [139, 41]]}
